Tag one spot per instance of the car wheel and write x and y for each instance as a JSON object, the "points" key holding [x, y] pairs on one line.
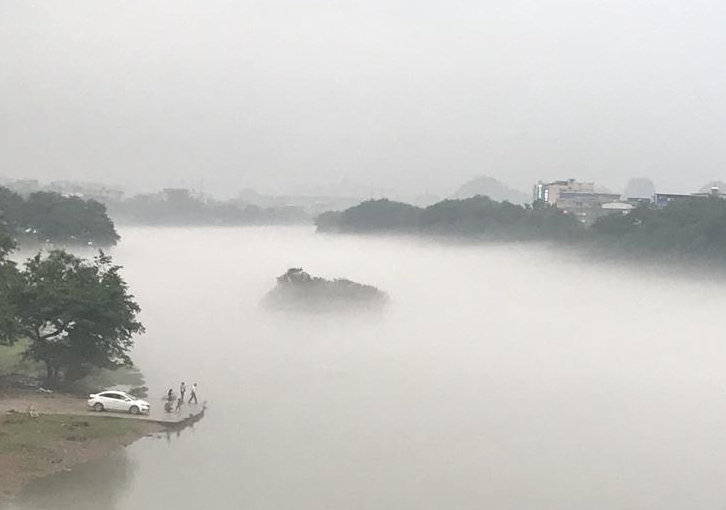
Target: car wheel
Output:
{"points": [[98, 407], [134, 410]]}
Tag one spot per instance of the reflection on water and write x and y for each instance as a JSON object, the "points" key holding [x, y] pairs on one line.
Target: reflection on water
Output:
{"points": [[90, 486], [504, 377]]}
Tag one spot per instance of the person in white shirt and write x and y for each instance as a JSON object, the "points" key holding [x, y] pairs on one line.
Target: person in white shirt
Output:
{"points": [[193, 394]]}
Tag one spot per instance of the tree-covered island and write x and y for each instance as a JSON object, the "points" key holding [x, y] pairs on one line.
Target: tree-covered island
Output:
{"points": [[298, 290], [691, 226]]}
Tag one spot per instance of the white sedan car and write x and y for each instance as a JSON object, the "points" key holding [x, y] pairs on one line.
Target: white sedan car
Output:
{"points": [[117, 401]]}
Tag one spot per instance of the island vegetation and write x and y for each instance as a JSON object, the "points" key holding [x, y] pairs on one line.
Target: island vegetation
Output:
{"points": [[50, 217], [691, 226], [298, 290]]}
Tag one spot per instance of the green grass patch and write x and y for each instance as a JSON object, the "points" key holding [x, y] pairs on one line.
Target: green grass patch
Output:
{"points": [[19, 431]]}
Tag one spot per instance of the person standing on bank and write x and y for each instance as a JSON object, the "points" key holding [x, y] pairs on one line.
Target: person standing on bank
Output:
{"points": [[193, 394], [182, 390]]}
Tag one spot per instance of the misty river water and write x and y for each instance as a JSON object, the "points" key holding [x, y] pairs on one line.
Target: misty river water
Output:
{"points": [[501, 377]]}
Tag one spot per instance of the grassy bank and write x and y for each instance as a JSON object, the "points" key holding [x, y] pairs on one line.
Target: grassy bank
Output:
{"points": [[20, 432], [34, 447]]}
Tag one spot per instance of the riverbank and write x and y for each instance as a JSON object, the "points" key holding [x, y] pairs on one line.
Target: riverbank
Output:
{"points": [[42, 433], [33, 447]]}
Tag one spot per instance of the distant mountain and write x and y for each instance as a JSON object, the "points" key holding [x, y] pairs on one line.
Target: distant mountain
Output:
{"points": [[492, 188], [639, 187]]}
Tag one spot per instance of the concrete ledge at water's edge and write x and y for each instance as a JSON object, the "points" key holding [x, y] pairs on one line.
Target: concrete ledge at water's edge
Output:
{"points": [[67, 404], [180, 419]]}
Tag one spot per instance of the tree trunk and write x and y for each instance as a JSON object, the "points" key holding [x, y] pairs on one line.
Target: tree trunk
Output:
{"points": [[51, 376]]}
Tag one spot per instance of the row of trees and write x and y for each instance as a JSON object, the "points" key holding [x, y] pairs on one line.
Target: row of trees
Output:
{"points": [[51, 217], [475, 216], [76, 313], [690, 226], [179, 207]]}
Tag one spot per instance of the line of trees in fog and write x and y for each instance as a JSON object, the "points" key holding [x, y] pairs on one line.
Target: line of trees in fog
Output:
{"points": [[180, 207], [76, 314], [690, 226], [475, 216], [52, 217]]}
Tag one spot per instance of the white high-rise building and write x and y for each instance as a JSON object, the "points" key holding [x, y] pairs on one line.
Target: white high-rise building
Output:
{"points": [[549, 192]]}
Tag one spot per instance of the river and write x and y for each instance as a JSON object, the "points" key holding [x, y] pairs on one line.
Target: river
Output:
{"points": [[502, 377]]}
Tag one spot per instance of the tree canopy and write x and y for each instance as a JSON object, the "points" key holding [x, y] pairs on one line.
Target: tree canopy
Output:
{"points": [[77, 314], [9, 280], [379, 215], [55, 218], [694, 226], [475, 216], [688, 226]]}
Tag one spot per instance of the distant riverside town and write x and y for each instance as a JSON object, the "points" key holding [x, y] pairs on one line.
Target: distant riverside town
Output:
{"points": [[583, 201]]}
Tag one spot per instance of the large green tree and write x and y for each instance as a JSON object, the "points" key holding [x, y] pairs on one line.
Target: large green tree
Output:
{"points": [[77, 313], [9, 281]]}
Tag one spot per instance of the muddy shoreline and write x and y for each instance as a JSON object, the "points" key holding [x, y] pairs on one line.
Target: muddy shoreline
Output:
{"points": [[20, 467], [61, 434]]}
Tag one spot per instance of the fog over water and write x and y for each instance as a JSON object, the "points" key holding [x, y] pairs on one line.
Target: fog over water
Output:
{"points": [[503, 377]]}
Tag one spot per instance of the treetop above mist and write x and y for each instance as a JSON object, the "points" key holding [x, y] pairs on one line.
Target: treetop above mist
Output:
{"points": [[475, 216], [52, 217], [297, 289], [687, 226]]}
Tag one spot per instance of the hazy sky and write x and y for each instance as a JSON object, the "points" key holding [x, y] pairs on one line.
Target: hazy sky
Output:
{"points": [[413, 95]]}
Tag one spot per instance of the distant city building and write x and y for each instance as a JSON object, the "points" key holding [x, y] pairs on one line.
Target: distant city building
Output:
{"points": [[613, 207], [586, 207], [580, 199], [663, 199], [549, 192], [635, 202]]}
